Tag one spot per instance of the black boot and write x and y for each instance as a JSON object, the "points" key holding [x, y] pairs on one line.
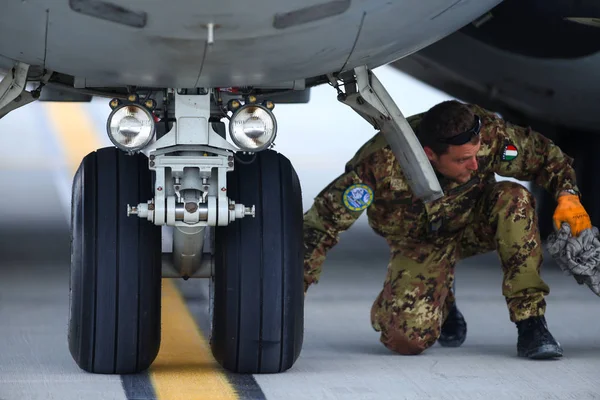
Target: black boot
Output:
{"points": [[535, 341], [454, 329]]}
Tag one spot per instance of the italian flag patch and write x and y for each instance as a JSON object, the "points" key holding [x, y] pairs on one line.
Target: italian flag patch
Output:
{"points": [[510, 152]]}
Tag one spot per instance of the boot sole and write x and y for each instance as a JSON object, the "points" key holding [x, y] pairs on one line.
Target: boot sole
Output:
{"points": [[454, 342], [542, 352]]}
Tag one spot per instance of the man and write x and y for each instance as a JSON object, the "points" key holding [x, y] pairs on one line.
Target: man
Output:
{"points": [[466, 145]]}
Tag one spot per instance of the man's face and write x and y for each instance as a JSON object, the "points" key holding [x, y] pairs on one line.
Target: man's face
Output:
{"points": [[458, 163]]}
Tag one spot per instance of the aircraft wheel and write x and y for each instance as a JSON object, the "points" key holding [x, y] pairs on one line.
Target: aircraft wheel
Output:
{"points": [[115, 285], [258, 313]]}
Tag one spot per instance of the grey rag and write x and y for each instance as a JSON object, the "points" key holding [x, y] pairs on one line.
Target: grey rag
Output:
{"points": [[577, 256]]}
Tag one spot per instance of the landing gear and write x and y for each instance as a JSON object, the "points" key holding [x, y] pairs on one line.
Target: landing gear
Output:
{"points": [[192, 180], [365, 94], [258, 299], [189, 178], [114, 319]]}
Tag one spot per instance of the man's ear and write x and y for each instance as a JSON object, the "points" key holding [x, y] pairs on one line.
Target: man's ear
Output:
{"points": [[429, 153]]}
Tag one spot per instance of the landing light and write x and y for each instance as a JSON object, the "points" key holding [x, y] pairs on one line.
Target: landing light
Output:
{"points": [[253, 127], [130, 127]]}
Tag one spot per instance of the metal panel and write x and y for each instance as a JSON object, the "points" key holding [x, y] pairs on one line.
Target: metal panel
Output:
{"points": [[23, 31], [158, 43]]}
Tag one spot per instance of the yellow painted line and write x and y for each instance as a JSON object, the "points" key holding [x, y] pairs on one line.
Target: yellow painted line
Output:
{"points": [[75, 130], [185, 368]]}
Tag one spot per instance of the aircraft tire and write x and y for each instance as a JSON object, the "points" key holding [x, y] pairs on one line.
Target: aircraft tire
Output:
{"points": [[115, 283], [258, 317]]}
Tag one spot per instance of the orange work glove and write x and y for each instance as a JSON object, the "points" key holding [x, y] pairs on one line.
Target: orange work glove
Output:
{"points": [[571, 211]]}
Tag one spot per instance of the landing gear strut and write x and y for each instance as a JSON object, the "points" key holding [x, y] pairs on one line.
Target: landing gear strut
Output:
{"points": [[194, 182], [367, 96]]}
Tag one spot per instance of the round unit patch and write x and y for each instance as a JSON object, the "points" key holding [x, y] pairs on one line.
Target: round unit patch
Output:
{"points": [[357, 197], [510, 152]]}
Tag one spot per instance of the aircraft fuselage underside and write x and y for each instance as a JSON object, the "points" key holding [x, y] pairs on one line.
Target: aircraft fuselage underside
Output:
{"points": [[220, 44]]}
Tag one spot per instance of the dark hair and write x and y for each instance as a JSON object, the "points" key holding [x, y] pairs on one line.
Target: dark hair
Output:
{"points": [[444, 120]]}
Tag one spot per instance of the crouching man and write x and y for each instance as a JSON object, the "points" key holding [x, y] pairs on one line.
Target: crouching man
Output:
{"points": [[467, 146]]}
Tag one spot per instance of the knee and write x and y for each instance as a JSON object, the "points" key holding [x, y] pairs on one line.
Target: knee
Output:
{"points": [[406, 347], [399, 341]]}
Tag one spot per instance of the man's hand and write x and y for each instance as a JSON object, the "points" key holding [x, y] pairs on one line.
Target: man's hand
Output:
{"points": [[571, 211]]}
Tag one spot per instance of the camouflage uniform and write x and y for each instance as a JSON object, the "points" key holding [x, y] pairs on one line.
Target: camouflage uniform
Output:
{"points": [[426, 240]]}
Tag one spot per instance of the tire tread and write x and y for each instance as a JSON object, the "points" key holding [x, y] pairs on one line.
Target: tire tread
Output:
{"points": [[258, 320], [115, 267]]}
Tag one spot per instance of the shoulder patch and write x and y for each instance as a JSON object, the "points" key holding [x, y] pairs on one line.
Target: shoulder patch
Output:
{"points": [[357, 197], [510, 152]]}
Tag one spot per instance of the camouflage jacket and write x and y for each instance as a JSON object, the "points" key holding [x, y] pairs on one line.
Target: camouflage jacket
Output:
{"points": [[407, 223]]}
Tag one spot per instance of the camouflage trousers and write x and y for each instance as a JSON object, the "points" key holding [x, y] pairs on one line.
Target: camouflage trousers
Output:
{"points": [[415, 299]]}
